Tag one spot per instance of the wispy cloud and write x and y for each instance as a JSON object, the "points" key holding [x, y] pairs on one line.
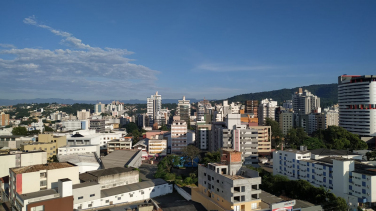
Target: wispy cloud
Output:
{"points": [[73, 69], [217, 67]]}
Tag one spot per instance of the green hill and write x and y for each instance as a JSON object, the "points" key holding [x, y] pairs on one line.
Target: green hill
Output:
{"points": [[328, 94]]}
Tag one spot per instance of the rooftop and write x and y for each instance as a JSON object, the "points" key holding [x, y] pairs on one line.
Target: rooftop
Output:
{"points": [[85, 184], [296, 151], [40, 167], [110, 171], [119, 158], [132, 187], [38, 194], [23, 153], [331, 152]]}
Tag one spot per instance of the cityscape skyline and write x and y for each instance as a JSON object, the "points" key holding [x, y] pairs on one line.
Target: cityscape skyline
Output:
{"points": [[129, 50]]}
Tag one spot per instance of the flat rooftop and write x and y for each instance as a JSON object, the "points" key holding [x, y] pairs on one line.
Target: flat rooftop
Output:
{"points": [[23, 153], [132, 187], [38, 194], [85, 184], [40, 167], [110, 171]]}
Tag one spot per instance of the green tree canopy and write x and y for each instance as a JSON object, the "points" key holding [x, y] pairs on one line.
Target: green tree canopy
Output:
{"points": [[130, 127], [47, 128], [19, 131], [211, 157], [276, 131]]}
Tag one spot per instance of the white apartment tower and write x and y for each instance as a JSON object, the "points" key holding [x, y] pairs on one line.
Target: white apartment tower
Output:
{"points": [[83, 114], [266, 110], [305, 102], [154, 106], [357, 104]]}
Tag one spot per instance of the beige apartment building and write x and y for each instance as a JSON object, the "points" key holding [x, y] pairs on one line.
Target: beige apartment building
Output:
{"points": [[34, 178], [50, 148], [157, 145], [4, 119], [119, 144], [49, 138], [264, 139], [178, 136]]}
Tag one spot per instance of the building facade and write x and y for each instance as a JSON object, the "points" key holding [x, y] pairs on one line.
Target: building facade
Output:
{"points": [[305, 102], [4, 119], [357, 104], [266, 110], [227, 186], [154, 106], [184, 110], [178, 136], [83, 114]]}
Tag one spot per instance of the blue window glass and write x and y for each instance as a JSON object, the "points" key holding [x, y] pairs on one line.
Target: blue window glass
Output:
{"points": [[293, 165], [330, 168], [330, 181], [313, 165], [284, 158], [297, 161], [350, 187], [284, 163], [313, 170], [293, 160], [324, 167], [350, 173], [297, 166], [280, 162], [363, 176], [350, 193], [313, 176], [307, 164], [331, 175], [308, 169], [363, 190], [364, 184], [350, 180], [308, 176], [324, 173], [285, 168], [324, 179], [280, 157], [293, 171]]}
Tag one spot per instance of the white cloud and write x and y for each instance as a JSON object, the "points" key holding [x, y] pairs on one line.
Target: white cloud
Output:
{"points": [[75, 69]]}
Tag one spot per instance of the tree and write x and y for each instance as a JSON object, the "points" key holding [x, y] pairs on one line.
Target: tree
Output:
{"points": [[314, 143], [19, 131], [190, 153], [211, 157], [291, 138], [276, 131], [130, 127], [371, 155], [168, 162], [164, 128], [136, 136], [104, 114], [47, 128], [53, 159]]}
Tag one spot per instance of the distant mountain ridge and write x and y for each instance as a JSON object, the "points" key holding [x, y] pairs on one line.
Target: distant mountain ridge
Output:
{"points": [[71, 101], [328, 94]]}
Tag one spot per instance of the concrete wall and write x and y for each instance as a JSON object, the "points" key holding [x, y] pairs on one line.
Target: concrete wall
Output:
{"points": [[89, 193], [30, 182], [7, 161], [183, 193], [124, 178], [54, 175], [28, 159]]}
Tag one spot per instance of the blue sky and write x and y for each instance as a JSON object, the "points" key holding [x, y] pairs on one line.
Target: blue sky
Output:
{"points": [[93, 50]]}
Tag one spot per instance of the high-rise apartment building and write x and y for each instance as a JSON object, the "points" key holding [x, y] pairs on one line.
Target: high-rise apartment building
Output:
{"points": [[83, 114], [4, 119], [178, 136], [286, 121], [251, 106], [305, 102], [266, 110], [99, 108], [154, 106], [357, 104], [184, 109]]}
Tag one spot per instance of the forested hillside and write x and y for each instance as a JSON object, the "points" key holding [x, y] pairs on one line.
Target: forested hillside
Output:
{"points": [[327, 93]]}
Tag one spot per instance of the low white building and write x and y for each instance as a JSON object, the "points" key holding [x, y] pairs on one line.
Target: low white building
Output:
{"points": [[90, 137], [78, 149], [21, 160], [340, 171], [122, 194], [71, 125]]}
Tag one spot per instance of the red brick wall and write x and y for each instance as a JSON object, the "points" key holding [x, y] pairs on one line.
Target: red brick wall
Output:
{"points": [[233, 155]]}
